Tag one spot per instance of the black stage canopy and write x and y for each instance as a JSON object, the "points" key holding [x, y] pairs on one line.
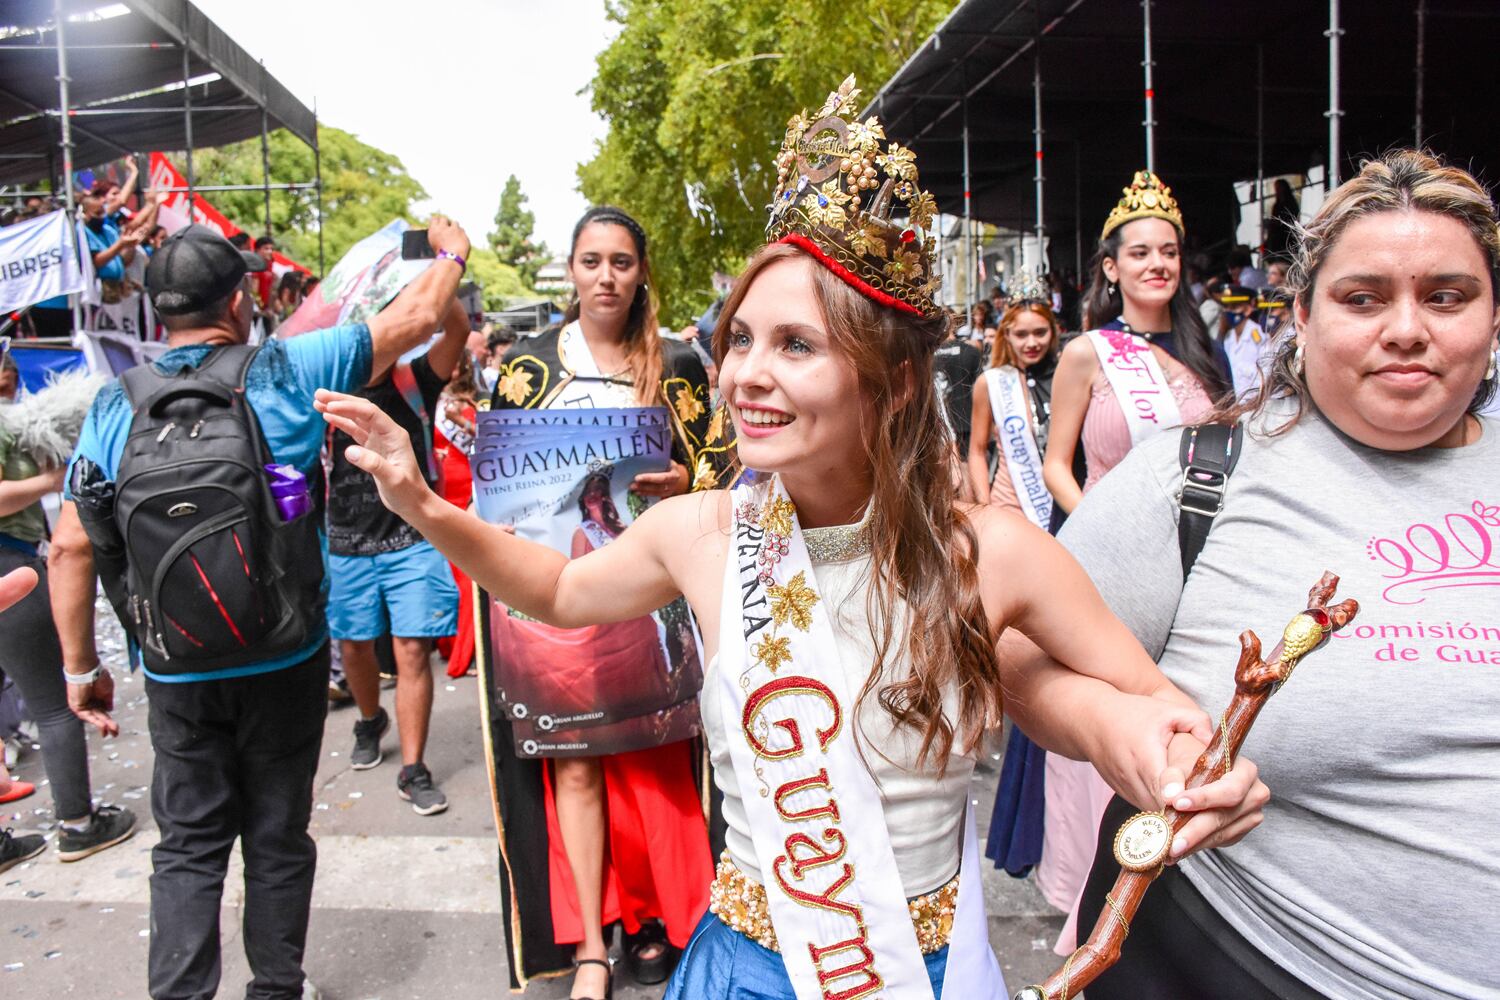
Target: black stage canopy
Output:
{"points": [[1212, 62], [119, 69]]}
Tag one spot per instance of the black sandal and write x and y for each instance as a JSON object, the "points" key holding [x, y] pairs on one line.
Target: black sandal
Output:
{"points": [[650, 971], [609, 984]]}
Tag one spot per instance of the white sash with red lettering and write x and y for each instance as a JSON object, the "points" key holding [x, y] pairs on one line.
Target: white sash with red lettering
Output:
{"points": [[835, 895], [1018, 443], [1140, 386]]}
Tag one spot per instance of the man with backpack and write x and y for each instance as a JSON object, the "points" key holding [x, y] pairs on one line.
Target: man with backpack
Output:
{"points": [[196, 494]]}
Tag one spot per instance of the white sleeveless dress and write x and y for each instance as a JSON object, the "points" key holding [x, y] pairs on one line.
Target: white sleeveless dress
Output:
{"points": [[924, 813]]}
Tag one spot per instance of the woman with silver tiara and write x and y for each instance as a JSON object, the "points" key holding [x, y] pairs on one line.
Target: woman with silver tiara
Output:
{"points": [[854, 608]]}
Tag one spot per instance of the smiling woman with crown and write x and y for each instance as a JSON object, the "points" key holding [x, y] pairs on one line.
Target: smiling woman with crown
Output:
{"points": [[852, 606], [1146, 344]]}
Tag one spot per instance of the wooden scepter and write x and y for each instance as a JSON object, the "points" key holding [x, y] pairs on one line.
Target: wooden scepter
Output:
{"points": [[1143, 840]]}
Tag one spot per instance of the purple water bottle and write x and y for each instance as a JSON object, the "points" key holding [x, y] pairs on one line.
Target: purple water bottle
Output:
{"points": [[289, 490]]}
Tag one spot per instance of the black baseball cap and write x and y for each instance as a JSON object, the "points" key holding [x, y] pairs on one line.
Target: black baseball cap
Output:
{"points": [[195, 268]]}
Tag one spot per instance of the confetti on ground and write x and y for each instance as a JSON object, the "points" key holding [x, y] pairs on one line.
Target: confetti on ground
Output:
{"points": [[144, 932], [15, 966], [356, 795], [52, 954]]}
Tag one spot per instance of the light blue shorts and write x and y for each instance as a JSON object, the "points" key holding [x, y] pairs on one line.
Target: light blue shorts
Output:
{"points": [[409, 593]]}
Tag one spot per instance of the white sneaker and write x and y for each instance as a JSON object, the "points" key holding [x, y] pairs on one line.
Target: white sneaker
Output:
{"points": [[309, 991]]}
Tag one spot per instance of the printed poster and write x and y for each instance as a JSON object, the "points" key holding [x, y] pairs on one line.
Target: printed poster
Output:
{"points": [[562, 477]]}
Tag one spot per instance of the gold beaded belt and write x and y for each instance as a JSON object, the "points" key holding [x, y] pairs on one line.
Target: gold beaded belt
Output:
{"points": [[740, 904]]}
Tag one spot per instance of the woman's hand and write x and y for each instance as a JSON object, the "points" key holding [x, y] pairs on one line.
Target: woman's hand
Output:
{"points": [[1226, 809], [1130, 739], [381, 448], [673, 482]]}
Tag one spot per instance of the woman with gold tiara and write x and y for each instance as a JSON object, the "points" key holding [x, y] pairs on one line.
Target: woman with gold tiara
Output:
{"points": [[1146, 343], [853, 608]]}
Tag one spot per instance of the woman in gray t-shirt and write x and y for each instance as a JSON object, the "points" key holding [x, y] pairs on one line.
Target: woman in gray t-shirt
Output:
{"points": [[1374, 872]]}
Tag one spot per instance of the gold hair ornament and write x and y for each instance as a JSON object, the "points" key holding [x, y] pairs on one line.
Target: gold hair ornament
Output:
{"points": [[838, 182], [1146, 198]]}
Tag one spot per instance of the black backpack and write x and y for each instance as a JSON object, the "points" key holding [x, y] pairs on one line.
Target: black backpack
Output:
{"points": [[213, 579]]}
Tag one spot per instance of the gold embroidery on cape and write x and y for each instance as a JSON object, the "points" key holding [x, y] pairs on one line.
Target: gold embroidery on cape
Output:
{"points": [[715, 426], [514, 385], [703, 473], [688, 406]]}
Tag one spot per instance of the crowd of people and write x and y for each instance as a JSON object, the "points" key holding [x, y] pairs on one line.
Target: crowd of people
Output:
{"points": [[122, 232], [1060, 505]]}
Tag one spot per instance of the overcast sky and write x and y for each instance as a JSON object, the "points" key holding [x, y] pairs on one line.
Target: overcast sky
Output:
{"points": [[465, 92]]}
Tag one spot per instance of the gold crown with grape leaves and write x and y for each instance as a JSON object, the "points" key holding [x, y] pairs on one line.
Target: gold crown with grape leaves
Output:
{"points": [[836, 192], [1146, 198], [1029, 288]]}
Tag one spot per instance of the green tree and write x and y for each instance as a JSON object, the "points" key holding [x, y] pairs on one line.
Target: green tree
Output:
{"points": [[502, 283], [697, 94], [363, 189], [511, 237]]}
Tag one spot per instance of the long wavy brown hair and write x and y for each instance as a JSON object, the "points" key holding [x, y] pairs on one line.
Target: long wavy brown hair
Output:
{"points": [[924, 603], [643, 347]]}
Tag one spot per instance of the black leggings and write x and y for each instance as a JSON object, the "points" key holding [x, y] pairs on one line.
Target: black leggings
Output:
{"points": [[1179, 948], [31, 656]]}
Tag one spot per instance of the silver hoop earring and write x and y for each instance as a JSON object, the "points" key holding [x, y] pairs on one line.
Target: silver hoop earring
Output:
{"points": [[1489, 372], [1297, 362]]}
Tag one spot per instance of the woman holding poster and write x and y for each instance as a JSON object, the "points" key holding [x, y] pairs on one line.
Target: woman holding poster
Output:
{"points": [[852, 608], [595, 860]]}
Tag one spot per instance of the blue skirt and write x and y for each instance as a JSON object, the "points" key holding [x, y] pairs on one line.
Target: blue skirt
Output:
{"points": [[1016, 825], [721, 964]]}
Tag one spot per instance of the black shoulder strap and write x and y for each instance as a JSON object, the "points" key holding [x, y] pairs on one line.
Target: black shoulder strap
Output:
{"points": [[1208, 455], [228, 365]]}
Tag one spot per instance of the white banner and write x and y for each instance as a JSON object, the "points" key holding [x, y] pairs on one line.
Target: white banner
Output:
{"points": [[38, 261]]}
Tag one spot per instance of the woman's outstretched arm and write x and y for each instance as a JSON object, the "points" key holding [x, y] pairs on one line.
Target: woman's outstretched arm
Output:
{"points": [[534, 579]]}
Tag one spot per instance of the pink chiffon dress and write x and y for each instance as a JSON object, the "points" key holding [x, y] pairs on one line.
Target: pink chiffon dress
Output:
{"points": [[1075, 794]]}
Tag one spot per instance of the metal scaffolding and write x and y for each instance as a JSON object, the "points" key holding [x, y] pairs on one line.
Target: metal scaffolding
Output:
{"points": [[203, 50]]}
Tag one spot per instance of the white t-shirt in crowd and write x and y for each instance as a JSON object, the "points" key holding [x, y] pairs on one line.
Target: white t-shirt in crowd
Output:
{"points": [[1375, 872]]}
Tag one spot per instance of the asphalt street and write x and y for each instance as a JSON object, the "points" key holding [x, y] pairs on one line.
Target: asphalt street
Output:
{"points": [[405, 907]]}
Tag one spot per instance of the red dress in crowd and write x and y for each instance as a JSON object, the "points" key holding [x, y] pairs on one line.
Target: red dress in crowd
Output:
{"points": [[451, 441]]}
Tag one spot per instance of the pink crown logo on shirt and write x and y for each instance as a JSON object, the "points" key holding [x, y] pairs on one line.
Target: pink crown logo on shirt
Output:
{"points": [[1458, 551]]}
